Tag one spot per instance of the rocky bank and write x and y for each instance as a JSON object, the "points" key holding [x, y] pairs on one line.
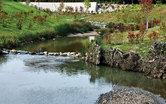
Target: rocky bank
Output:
{"points": [[153, 65], [126, 95]]}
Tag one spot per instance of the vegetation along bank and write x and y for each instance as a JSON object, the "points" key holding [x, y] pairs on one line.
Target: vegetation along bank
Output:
{"points": [[127, 44], [21, 24]]}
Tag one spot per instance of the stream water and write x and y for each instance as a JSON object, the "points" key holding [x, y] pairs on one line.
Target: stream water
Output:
{"points": [[35, 79]]}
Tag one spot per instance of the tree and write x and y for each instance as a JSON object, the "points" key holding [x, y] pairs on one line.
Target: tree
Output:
{"points": [[87, 4], [146, 6], [0, 5]]}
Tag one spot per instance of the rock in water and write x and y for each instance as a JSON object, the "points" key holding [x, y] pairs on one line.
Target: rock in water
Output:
{"points": [[125, 95], [13, 51], [95, 55]]}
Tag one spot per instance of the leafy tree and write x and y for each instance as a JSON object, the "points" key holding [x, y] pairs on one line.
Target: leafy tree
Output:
{"points": [[146, 6], [0, 6], [87, 4]]}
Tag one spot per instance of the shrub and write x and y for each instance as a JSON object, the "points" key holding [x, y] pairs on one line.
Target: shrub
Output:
{"points": [[41, 20], [76, 9], [47, 10], [107, 39], [117, 26], [67, 8], [142, 31], [71, 9], [132, 27], [81, 27], [30, 25], [19, 24], [3, 18], [74, 27], [20, 18], [81, 9], [63, 30], [153, 36], [103, 31], [0, 6], [131, 36], [117, 37]]}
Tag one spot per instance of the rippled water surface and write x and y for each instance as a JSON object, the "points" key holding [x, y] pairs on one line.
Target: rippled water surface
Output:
{"points": [[28, 79]]}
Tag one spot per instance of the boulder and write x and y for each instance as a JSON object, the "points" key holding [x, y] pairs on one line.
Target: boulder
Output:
{"points": [[155, 63], [130, 61], [56, 54], [116, 58], [13, 51], [45, 53], [113, 57], [95, 55]]}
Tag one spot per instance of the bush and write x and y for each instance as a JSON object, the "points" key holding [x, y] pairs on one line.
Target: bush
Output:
{"points": [[74, 27], [104, 31], [117, 26], [117, 37], [153, 36], [131, 36], [4, 18], [63, 30], [133, 27], [107, 39]]}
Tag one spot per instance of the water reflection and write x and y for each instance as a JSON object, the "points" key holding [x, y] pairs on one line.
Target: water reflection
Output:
{"points": [[58, 45], [104, 74], [46, 83], [2, 59], [26, 79]]}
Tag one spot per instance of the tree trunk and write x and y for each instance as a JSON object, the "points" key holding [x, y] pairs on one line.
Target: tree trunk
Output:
{"points": [[147, 23], [147, 19]]}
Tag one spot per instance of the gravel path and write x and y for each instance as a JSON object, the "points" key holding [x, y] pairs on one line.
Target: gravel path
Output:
{"points": [[92, 33], [126, 95]]}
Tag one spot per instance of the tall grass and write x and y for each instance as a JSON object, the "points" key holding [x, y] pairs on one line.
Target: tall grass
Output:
{"points": [[74, 27]]}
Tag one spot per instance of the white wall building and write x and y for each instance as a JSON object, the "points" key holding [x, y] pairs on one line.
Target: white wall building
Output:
{"points": [[53, 6]]}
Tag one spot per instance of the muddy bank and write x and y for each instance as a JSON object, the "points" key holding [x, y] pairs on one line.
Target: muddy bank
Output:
{"points": [[127, 95], [154, 65]]}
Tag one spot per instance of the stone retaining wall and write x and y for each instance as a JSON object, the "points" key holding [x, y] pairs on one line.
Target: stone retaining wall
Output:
{"points": [[153, 65]]}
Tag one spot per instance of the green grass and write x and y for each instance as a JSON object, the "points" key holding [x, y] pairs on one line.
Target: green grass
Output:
{"points": [[11, 34], [130, 14], [142, 47]]}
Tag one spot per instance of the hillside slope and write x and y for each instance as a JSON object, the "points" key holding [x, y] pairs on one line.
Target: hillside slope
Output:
{"points": [[20, 23]]}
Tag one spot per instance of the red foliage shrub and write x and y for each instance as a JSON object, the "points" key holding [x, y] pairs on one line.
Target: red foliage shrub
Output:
{"points": [[81, 9], [131, 36], [153, 36], [3, 18], [35, 18], [71, 9], [107, 39], [76, 9], [142, 31], [31, 11], [45, 16]]}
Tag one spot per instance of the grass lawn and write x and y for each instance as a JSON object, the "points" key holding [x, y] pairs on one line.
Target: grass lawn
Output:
{"points": [[130, 14]]}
